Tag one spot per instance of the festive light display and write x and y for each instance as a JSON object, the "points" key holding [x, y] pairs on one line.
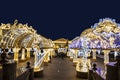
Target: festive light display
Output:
{"points": [[76, 43], [84, 64], [21, 38], [103, 35]]}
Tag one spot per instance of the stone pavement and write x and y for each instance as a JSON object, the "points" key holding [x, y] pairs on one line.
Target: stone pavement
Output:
{"points": [[59, 69]]}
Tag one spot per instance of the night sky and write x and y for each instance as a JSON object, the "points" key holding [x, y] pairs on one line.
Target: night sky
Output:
{"points": [[58, 18]]}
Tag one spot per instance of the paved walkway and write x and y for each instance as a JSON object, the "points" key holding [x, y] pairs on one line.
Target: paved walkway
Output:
{"points": [[59, 69], [100, 63]]}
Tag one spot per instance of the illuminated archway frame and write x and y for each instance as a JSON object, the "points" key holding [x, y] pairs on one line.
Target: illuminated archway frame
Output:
{"points": [[17, 35], [21, 34], [109, 32], [15, 32], [106, 33], [75, 43]]}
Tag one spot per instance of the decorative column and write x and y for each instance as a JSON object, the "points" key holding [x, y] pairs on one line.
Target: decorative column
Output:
{"points": [[28, 53], [94, 54], [106, 56], [46, 58], [23, 54], [49, 56], [76, 54], [71, 53], [15, 53], [52, 52]]}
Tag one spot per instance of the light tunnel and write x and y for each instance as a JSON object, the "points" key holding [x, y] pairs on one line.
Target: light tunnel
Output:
{"points": [[25, 44], [103, 38], [16, 37]]}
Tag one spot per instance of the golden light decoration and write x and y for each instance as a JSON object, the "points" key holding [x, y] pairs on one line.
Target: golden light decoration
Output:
{"points": [[104, 32], [107, 25]]}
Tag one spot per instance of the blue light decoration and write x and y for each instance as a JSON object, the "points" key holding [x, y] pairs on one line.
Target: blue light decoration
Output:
{"points": [[84, 64], [117, 41], [109, 39], [85, 48], [76, 43], [107, 35]]}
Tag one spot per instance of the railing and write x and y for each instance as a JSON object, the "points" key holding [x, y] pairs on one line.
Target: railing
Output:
{"points": [[95, 75], [24, 75], [100, 56]]}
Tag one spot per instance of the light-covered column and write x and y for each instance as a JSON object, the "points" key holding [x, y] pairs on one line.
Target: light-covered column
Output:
{"points": [[76, 54], [46, 58], [28, 53], [47, 55], [94, 54], [51, 52], [23, 54], [16, 53], [75, 58], [72, 51], [106, 56], [68, 53]]}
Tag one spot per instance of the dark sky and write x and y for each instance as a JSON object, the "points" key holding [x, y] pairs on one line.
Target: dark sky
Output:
{"points": [[58, 18]]}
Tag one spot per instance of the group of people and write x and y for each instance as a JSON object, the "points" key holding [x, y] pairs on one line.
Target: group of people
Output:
{"points": [[62, 55], [9, 52]]}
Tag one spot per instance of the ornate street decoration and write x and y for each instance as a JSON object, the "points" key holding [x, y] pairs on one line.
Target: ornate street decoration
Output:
{"points": [[105, 34]]}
